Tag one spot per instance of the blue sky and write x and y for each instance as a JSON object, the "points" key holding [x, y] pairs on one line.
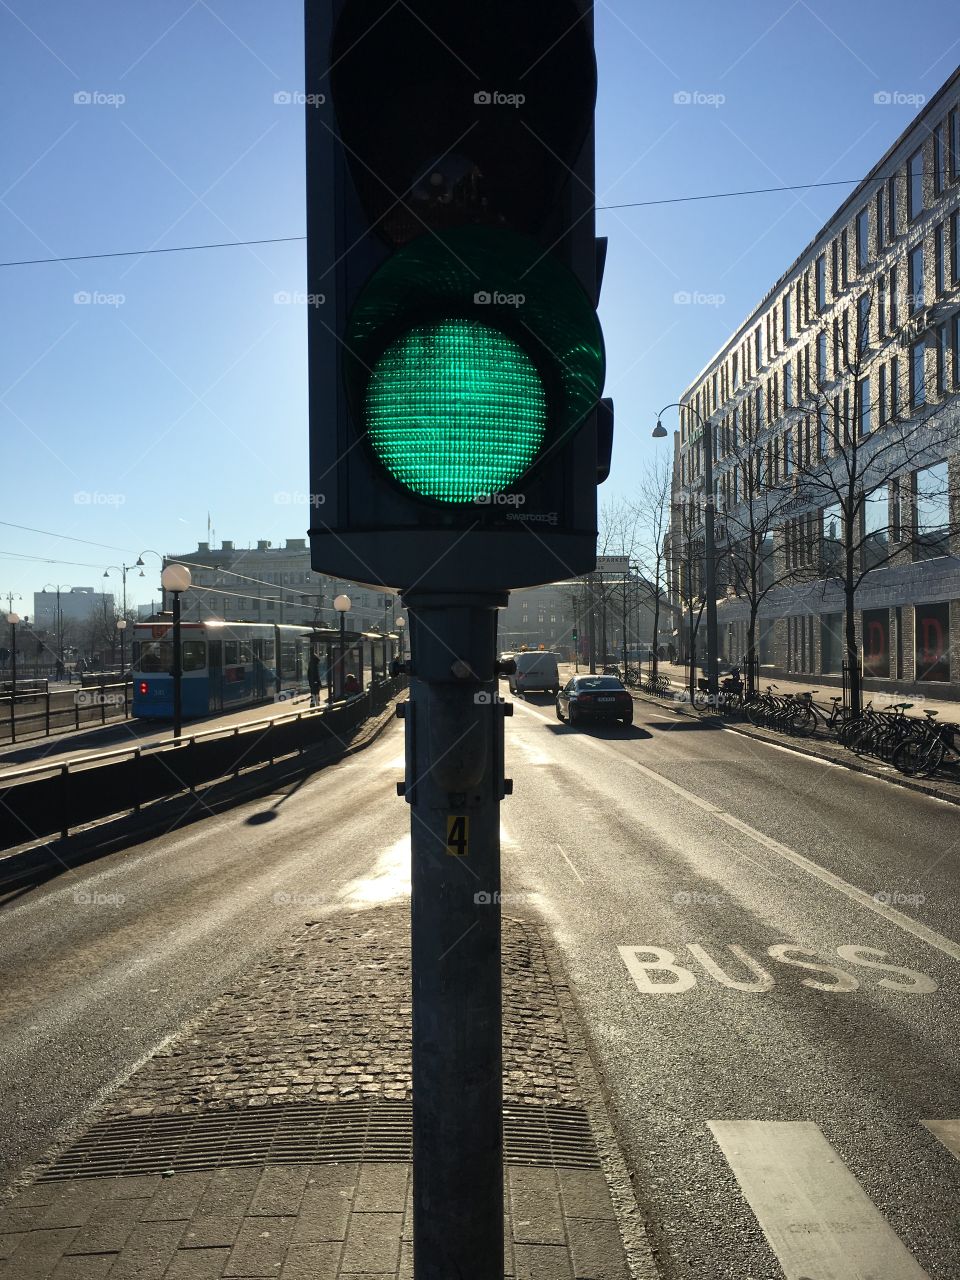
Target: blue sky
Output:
{"points": [[178, 388]]}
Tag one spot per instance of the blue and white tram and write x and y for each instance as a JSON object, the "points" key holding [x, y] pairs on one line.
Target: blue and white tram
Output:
{"points": [[226, 666]]}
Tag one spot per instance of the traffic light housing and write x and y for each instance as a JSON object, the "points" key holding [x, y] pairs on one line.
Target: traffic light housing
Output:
{"points": [[456, 361]]}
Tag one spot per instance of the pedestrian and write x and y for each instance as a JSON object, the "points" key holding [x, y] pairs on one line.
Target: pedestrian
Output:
{"points": [[351, 685], [313, 678]]}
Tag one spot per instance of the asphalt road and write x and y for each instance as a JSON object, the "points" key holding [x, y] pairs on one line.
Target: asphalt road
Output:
{"points": [[765, 950]]}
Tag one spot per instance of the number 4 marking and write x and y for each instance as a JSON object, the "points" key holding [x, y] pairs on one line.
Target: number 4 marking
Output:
{"points": [[458, 834]]}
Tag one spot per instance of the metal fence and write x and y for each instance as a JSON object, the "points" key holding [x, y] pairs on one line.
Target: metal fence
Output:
{"points": [[38, 711], [50, 799]]}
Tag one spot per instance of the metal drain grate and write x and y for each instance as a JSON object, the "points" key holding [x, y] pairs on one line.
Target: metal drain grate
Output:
{"points": [[305, 1133]]}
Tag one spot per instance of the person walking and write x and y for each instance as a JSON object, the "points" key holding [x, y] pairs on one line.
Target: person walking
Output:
{"points": [[313, 678]]}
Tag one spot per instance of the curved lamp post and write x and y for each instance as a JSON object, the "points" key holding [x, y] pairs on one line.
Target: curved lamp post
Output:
{"points": [[342, 606], [176, 579], [709, 567]]}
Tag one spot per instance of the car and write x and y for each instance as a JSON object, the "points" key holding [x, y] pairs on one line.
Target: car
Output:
{"points": [[594, 698], [536, 671]]}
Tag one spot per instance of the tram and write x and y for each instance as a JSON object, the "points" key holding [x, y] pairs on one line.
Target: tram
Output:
{"points": [[225, 665]]}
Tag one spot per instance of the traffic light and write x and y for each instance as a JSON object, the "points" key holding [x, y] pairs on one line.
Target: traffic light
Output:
{"points": [[457, 430]]}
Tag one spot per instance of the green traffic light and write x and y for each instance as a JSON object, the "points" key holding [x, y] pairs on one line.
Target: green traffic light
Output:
{"points": [[455, 410]]}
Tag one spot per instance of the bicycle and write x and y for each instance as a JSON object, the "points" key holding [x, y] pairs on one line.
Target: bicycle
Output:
{"points": [[922, 754], [881, 732], [811, 715]]}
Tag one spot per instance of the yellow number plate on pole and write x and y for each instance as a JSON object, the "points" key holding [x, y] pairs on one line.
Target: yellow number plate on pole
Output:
{"points": [[458, 834]]}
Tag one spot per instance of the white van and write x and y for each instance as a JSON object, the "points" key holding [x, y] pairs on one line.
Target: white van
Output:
{"points": [[536, 672]]}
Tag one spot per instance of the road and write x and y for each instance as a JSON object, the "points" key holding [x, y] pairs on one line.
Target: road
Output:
{"points": [[764, 948]]}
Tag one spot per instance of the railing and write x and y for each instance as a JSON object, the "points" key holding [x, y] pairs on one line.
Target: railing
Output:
{"points": [[49, 799], [39, 711]]}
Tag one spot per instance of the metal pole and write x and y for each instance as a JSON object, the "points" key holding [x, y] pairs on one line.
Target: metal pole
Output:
{"points": [[13, 681], [592, 625], [709, 569], [340, 680], [177, 667], [454, 784]]}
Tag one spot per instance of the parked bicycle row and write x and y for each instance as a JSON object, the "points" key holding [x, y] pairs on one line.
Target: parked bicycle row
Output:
{"points": [[916, 746]]}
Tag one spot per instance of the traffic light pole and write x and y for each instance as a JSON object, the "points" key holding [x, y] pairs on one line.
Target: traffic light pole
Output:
{"points": [[454, 784]]}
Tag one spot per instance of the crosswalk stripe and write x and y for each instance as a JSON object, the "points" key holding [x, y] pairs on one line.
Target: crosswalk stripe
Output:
{"points": [[948, 1131], [817, 1218]]}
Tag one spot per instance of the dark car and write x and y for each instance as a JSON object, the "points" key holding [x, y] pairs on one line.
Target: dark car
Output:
{"points": [[594, 698]]}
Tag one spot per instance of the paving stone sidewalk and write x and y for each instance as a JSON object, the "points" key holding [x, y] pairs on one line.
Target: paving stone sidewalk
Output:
{"points": [[325, 1019]]}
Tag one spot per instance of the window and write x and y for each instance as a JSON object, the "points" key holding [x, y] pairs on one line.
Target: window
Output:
{"points": [[821, 283], [194, 655], [863, 322], [758, 346], [832, 540], [933, 641], [876, 526], [892, 207], [918, 390], [915, 185], [953, 143], [955, 247], [785, 313], [882, 394], [894, 309], [835, 267], [879, 218], [894, 389], [876, 642], [788, 453], [881, 306], [863, 238], [939, 167], [823, 437], [915, 280], [788, 385], [230, 652], [758, 407], [831, 643], [863, 392], [955, 350]]}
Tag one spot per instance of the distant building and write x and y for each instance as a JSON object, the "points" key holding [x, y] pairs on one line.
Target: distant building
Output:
{"points": [[77, 605], [275, 584]]}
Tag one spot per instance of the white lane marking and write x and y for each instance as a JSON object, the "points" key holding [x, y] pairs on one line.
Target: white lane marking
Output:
{"points": [[570, 864], [817, 1218], [930, 936], [948, 1131]]}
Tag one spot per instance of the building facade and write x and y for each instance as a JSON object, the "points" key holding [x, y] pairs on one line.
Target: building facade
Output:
{"points": [[853, 354], [276, 584]]}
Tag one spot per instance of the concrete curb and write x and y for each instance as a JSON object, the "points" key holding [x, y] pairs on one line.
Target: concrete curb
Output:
{"points": [[787, 744]]}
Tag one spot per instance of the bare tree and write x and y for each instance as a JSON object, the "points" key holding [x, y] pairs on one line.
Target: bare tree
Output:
{"points": [[759, 496], [689, 553], [652, 507]]}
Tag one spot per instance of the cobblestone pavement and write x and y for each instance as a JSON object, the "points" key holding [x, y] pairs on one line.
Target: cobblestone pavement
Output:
{"points": [[326, 1017]]}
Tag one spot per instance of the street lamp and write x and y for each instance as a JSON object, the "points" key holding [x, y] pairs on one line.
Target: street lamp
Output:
{"points": [[176, 579], [121, 627], [13, 619], [342, 606], [400, 622], [709, 567], [58, 588]]}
